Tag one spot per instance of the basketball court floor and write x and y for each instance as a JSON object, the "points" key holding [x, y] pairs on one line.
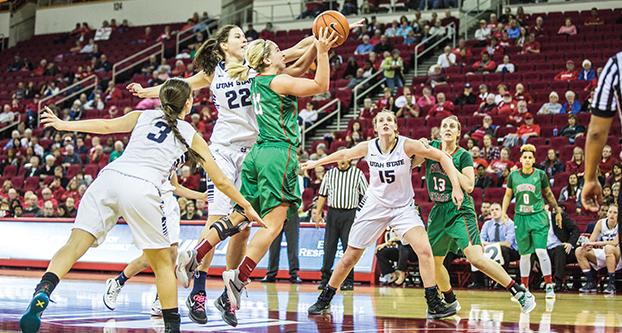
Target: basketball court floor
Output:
{"points": [[278, 307]]}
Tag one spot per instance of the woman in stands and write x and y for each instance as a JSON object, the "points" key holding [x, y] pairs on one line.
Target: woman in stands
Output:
{"points": [[130, 187]]}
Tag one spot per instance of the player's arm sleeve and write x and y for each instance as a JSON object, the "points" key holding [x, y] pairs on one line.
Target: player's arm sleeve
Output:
{"points": [[604, 103], [324, 185], [466, 160]]}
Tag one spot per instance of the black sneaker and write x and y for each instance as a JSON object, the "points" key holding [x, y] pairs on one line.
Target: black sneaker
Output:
{"points": [[437, 308], [226, 311], [196, 307], [268, 279], [610, 289], [322, 285], [347, 287], [589, 287], [322, 305], [173, 327]]}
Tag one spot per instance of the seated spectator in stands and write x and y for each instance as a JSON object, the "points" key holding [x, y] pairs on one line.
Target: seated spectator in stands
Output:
{"points": [[520, 94], [7, 114], [572, 130], [443, 107], [369, 109], [615, 176], [411, 39], [490, 151], [569, 74], [391, 30], [251, 34], [495, 49], [502, 164], [607, 161], [31, 205], [47, 169], [69, 207], [179, 69], [267, 32], [89, 48], [47, 196], [478, 132], [375, 60], [380, 42], [392, 67], [117, 152], [70, 157], [568, 28], [355, 132], [506, 66], [437, 29], [576, 165], [403, 29], [150, 66], [506, 106], [16, 65], [427, 100], [586, 106], [308, 115], [96, 154], [393, 258], [586, 73], [594, 19], [351, 68], [483, 33], [406, 105], [478, 160], [513, 30], [571, 192], [463, 53], [446, 59], [95, 103], [467, 97], [483, 93], [40, 70], [561, 244], [553, 106], [357, 79], [522, 38], [191, 213], [531, 45], [436, 76], [525, 131], [365, 47], [31, 169], [387, 101], [551, 165], [166, 34], [485, 64], [517, 117], [571, 105], [334, 59]]}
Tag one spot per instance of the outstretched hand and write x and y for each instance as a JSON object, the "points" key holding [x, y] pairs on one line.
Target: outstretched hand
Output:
{"points": [[592, 195], [358, 24], [137, 90], [49, 119]]}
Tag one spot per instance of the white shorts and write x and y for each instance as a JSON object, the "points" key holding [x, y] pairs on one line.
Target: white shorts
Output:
{"points": [[373, 218], [601, 260], [173, 216], [113, 195], [229, 160]]}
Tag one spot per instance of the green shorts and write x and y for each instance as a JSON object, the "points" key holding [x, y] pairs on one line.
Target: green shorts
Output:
{"points": [[270, 177], [450, 230], [532, 232]]}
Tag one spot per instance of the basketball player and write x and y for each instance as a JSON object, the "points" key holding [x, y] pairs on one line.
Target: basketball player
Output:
{"points": [[270, 171], [530, 219], [450, 228], [601, 251], [389, 202], [172, 214], [129, 187]]}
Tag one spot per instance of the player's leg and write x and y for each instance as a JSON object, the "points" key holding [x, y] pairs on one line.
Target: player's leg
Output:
{"points": [[587, 257], [525, 247], [539, 225], [114, 285], [612, 259], [162, 265], [440, 244]]}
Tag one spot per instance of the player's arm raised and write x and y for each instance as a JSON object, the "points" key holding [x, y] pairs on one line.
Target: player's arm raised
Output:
{"points": [[415, 147], [98, 126], [301, 66], [185, 192], [355, 152], [197, 81], [220, 180]]}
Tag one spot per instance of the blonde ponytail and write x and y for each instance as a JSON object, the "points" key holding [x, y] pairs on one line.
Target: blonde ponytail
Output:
{"points": [[256, 53], [238, 72]]}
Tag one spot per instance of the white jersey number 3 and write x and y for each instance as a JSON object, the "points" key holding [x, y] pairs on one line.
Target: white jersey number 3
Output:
{"points": [[257, 104]]}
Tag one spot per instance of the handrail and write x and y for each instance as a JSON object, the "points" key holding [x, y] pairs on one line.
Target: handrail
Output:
{"points": [[305, 129], [154, 49], [68, 88], [356, 88], [11, 124], [466, 20], [429, 48], [2, 37]]}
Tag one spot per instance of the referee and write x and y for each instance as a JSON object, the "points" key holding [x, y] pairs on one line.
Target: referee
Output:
{"points": [[605, 106], [344, 186]]}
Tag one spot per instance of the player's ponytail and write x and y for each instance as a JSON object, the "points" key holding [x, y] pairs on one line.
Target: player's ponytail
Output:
{"points": [[256, 53], [210, 54], [173, 95]]}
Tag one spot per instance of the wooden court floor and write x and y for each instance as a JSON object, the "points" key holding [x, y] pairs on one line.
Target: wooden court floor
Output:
{"points": [[282, 308]]}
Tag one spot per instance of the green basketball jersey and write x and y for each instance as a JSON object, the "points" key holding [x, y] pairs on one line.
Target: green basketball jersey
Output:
{"points": [[527, 190], [439, 185], [277, 116]]}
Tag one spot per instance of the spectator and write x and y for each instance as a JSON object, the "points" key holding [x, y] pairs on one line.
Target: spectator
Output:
{"points": [[506, 66], [576, 165], [403, 29], [267, 32], [485, 213], [446, 59], [551, 165], [553, 106], [490, 152], [31, 202], [572, 192], [562, 240], [166, 34], [478, 132], [392, 67], [357, 79], [571, 105], [48, 168], [427, 100], [467, 97], [528, 128], [117, 152], [443, 107], [484, 65], [531, 45], [521, 94], [502, 164], [387, 101], [520, 41], [31, 169], [365, 47], [95, 103], [383, 46], [572, 130], [568, 28], [179, 69], [407, 105], [436, 76], [351, 68], [16, 65], [191, 212], [308, 115], [70, 157], [47, 211], [569, 74], [594, 19], [411, 39], [607, 161], [513, 30], [393, 258], [586, 106], [47, 196], [482, 180], [517, 117], [369, 109], [251, 34], [483, 93], [483, 33], [507, 106], [495, 49], [7, 114], [463, 53], [391, 30], [351, 136], [586, 73], [616, 175]]}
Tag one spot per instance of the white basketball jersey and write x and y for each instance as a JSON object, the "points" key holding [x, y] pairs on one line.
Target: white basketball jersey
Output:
{"points": [[607, 234], [236, 122], [153, 151], [390, 174]]}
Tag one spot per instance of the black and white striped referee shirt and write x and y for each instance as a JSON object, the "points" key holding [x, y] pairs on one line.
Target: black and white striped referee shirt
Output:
{"points": [[343, 188], [607, 95]]}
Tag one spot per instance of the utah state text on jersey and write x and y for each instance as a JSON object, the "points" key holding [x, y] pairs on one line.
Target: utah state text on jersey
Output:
{"points": [[389, 164]]}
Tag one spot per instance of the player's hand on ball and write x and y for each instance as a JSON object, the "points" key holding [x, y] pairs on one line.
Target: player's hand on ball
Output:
{"points": [[326, 40], [592, 195], [136, 90], [308, 165], [49, 119], [457, 196]]}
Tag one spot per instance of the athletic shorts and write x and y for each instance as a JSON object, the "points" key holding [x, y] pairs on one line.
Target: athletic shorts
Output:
{"points": [[601, 261], [173, 216], [113, 195], [450, 229], [532, 232], [270, 177], [372, 219], [229, 160]]}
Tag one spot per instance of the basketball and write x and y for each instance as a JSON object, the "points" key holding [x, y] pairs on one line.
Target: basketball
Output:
{"points": [[335, 21]]}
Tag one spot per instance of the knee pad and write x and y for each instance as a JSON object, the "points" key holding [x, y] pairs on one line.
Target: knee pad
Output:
{"points": [[225, 228]]}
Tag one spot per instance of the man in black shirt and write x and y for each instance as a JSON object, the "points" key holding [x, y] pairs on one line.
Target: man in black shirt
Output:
{"points": [[467, 96]]}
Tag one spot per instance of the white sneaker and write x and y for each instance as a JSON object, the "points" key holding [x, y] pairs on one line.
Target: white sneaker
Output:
{"points": [[113, 288], [186, 264], [550, 290], [526, 300], [156, 308], [234, 286]]}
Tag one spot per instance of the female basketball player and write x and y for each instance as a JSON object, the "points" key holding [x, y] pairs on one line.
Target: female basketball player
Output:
{"points": [[451, 228], [172, 214], [530, 219], [129, 187], [389, 202]]}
